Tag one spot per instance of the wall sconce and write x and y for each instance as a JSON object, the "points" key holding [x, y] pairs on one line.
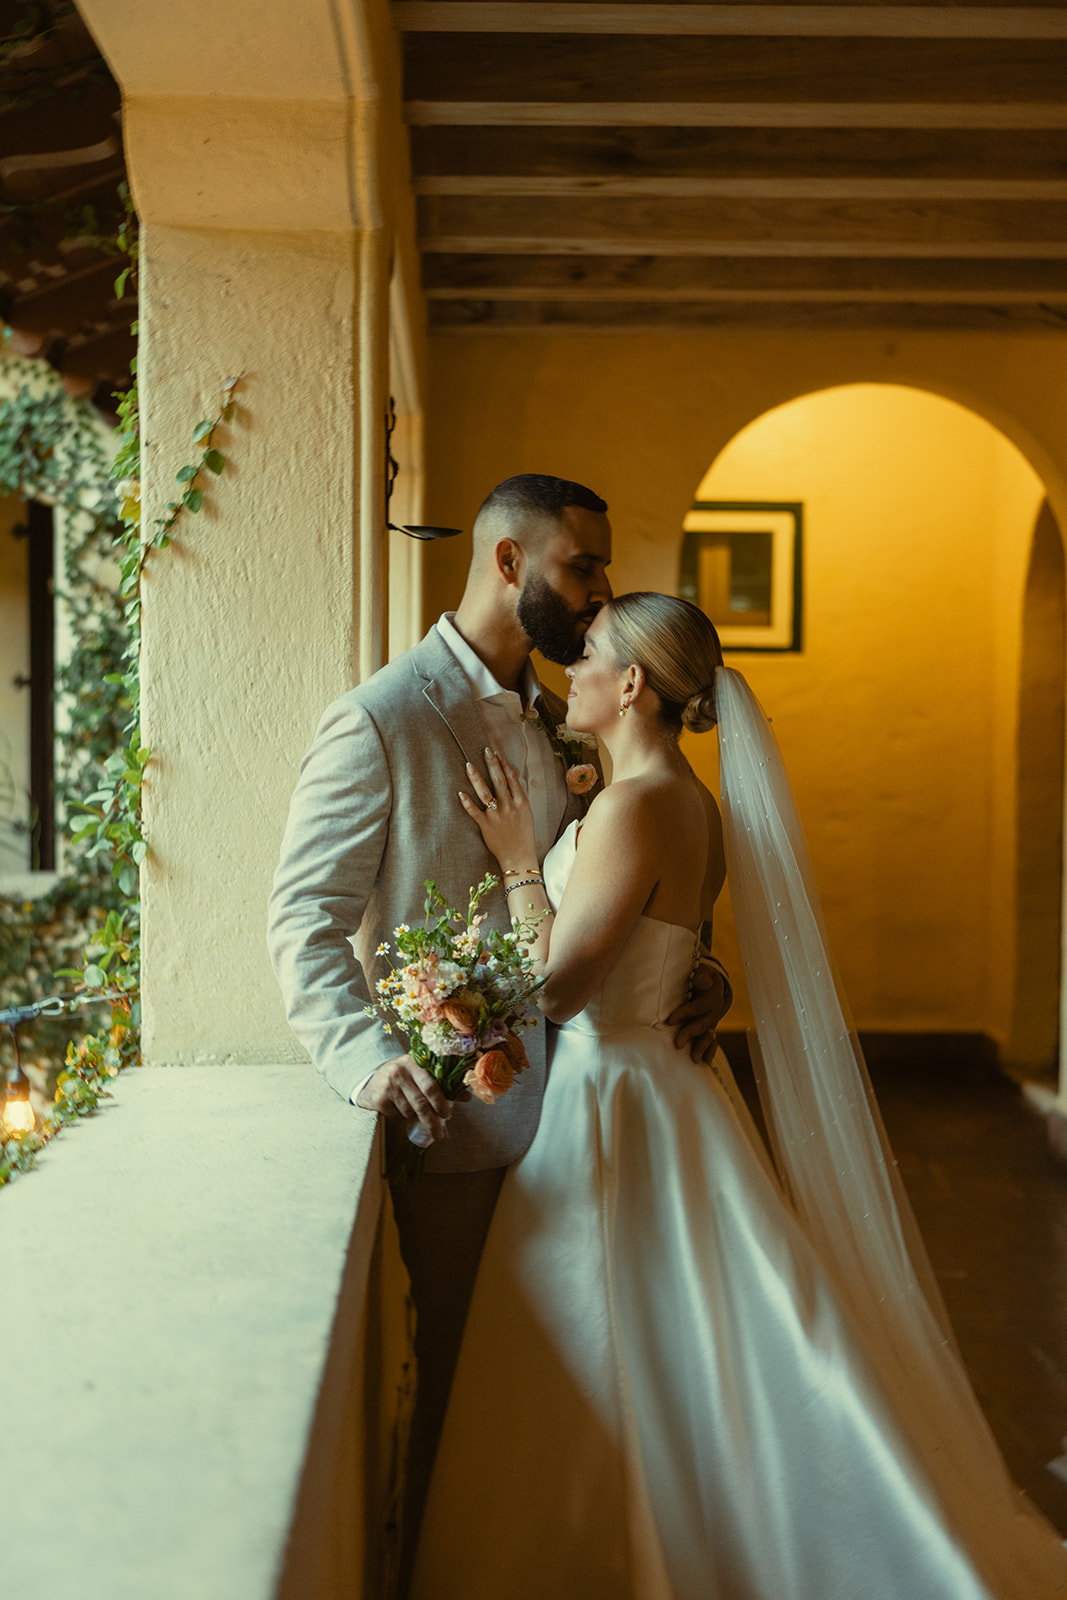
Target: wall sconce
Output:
{"points": [[418, 530]]}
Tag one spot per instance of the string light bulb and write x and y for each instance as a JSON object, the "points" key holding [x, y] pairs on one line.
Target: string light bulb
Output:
{"points": [[17, 1115]]}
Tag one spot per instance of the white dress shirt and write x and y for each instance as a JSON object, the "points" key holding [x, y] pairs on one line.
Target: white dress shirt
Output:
{"points": [[511, 734]]}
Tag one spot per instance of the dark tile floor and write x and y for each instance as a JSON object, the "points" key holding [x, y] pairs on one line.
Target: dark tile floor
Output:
{"points": [[991, 1200]]}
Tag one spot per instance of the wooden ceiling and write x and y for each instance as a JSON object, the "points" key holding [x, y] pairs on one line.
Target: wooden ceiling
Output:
{"points": [[654, 166], [61, 165]]}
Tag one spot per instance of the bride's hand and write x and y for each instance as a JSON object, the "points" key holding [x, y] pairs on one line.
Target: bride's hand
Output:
{"points": [[504, 817]]}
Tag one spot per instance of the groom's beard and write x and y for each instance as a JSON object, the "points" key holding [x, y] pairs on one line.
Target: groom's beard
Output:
{"points": [[556, 630]]}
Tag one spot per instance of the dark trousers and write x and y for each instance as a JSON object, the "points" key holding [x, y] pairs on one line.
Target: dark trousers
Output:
{"points": [[442, 1222]]}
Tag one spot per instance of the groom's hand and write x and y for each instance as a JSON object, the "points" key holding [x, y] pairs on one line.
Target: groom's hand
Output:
{"points": [[695, 1021], [405, 1092]]}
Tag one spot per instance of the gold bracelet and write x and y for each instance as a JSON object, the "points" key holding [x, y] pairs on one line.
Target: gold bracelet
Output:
{"points": [[517, 872]]}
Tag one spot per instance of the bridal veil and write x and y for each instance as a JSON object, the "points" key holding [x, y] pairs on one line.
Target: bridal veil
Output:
{"points": [[832, 1155]]}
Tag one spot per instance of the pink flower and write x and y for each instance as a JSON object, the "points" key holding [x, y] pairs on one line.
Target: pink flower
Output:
{"points": [[581, 779], [491, 1076]]}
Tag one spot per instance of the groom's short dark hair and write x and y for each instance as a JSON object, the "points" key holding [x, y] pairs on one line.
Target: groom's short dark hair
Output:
{"points": [[535, 494]]}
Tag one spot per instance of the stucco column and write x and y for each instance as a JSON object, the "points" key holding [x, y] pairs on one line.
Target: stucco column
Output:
{"points": [[252, 147]]}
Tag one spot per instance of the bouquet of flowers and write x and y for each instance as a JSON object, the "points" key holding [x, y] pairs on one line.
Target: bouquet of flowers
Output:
{"points": [[458, 997]]}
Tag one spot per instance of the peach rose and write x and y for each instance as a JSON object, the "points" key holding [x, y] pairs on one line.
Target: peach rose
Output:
{"points": [[581, 779], [513, 1047], [460, 1016], [491, 1076]]}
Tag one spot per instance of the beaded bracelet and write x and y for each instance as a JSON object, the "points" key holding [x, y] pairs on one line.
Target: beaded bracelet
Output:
{"points": [[524, 883]]}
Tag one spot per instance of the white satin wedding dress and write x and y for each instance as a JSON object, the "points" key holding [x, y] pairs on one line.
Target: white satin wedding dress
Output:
{"points": [[664, 1393]]}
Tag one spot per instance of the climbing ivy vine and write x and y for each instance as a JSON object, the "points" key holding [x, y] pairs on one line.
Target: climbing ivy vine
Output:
{"points": [[51, 448]]}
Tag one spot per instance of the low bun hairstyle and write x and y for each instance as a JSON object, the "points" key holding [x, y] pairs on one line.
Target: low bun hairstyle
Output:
{"points": [[678, 650]]}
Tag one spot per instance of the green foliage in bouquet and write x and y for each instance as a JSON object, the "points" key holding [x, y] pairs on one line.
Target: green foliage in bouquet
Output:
{"points": [[458, 995]]}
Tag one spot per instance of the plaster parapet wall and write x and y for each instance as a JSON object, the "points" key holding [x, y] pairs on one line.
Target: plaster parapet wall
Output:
{"points": [[173, 1276]]}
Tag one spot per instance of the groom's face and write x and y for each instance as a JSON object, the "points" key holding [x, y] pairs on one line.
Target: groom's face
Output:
{"points": [[566, 584]]}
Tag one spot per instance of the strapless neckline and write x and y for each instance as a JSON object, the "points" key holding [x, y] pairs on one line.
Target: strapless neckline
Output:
{"points": [[570, 836], [651, 973]]}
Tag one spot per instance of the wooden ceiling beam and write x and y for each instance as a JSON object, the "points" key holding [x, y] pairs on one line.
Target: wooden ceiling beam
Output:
{"points": [[837, 21], [921, 189], [715, 113], [563, 277], [84, 111], [85, 297], [651, 225], [577, 68], [673, 152], [480, 316]]}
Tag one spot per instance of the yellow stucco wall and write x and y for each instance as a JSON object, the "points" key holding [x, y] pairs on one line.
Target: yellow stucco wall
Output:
{"points": [[898, 720]]}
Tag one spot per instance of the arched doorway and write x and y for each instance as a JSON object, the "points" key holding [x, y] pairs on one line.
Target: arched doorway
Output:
{"points": [[900, 713], [1033, 1042]]}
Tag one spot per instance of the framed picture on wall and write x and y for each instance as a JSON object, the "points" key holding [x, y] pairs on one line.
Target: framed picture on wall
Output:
{"points": [[742, 564]]}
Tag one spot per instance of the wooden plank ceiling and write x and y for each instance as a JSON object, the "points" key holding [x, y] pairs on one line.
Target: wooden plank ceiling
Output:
{"points": [[660, 165], [61, 165]]}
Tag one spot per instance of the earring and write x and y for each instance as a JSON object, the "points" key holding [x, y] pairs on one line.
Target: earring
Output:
{"points": [[624, 708]]}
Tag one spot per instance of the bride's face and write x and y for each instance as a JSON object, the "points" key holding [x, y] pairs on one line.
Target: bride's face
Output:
{"points": [[596, 681]]}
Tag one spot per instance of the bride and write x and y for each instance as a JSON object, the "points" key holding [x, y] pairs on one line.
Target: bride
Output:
{"points": [[689, 1374]]}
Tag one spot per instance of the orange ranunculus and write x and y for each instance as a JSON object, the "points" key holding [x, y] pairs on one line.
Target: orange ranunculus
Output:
{"points": [[461, 1016], [582, 778], [491, 1076], [516, 1052]]}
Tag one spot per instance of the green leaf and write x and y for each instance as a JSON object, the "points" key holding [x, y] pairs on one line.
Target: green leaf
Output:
{"points": [[202, 431], [94, 976], [120, 283], [193, 499], [128, 879], [186, 474], [214, 459]]}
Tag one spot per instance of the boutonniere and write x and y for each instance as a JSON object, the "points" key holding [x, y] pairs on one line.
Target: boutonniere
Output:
{"points": [[581, 775]]}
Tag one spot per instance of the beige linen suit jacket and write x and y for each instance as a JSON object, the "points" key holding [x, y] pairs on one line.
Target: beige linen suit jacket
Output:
{"points": [[375, 813]]}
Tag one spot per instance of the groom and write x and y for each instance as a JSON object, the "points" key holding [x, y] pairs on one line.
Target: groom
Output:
{"points": [[375, 813]]}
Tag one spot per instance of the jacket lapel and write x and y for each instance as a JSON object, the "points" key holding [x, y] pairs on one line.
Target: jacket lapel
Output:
{"points": [[447, 688]]}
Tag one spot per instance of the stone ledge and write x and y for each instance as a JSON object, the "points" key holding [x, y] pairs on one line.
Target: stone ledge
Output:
{"points": [[171, 1276]]}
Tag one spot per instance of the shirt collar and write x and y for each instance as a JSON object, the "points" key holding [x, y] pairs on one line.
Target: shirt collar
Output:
{"points": [[482, 681]]}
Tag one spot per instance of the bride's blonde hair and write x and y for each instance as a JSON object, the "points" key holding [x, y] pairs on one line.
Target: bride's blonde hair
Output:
{"points": [[678, 649]]}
